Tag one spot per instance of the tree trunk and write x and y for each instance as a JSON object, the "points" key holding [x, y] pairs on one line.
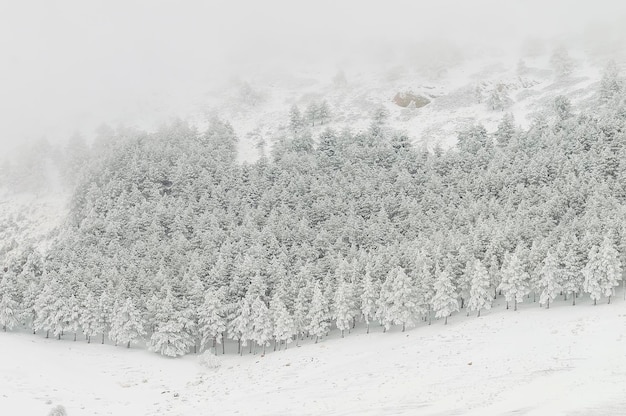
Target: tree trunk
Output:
{"points": [[368, 327], [609, 299], [316, 339], [103, 338], [223, 345], [515, 307], [445, 322], [74, 336], [47, 333], [573, 298], [128, 344], [594, 302], [478, 316], [403, 326], [342, 333], [89, 339], [507, 304], [548, 304]]}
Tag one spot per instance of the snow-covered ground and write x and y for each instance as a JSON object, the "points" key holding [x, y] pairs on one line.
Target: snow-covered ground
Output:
{"points": [[568, 360], [454, 96]]}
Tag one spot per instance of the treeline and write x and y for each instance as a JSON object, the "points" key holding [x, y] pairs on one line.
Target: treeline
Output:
{"points": [[171, 241]]}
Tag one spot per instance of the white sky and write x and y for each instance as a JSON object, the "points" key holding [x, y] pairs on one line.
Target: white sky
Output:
{"points": [[66, 65]]}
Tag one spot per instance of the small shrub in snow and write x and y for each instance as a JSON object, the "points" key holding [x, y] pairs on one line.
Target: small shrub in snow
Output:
{"points": [[58, 411], [210, 360]]}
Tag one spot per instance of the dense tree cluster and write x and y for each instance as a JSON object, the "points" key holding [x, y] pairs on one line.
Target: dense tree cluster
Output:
{"points": [[172, 242]]}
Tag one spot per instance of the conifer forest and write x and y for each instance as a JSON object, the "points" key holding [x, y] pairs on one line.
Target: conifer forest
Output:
{"points": [[172, 243]]}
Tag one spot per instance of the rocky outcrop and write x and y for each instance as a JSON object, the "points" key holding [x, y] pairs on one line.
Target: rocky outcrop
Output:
{"points": [[408, 99]]}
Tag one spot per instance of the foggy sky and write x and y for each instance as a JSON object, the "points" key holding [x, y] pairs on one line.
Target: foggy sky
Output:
{"points": [[68, 65]]}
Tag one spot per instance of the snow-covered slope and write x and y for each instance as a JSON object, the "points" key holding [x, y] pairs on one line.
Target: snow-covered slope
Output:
{"points": [[258, 106], [568, 360], [28, 220]]}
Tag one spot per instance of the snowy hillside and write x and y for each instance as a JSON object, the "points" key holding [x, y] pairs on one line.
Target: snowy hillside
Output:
{"points": [[567, 360], [258, 106], [28, 220]]}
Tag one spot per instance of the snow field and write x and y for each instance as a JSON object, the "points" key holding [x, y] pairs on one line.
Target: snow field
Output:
{"points": [[568, 360]]}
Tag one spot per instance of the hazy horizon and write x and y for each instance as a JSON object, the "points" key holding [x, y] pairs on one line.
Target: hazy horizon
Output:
{"points": [[71, 65]]}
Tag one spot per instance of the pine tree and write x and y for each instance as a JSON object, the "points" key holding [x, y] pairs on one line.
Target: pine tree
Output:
{"points": [[9, 305], [593, 275], [211, 321], [323, 112], [105, 313], [301, 312], [8, 312], [262, 325], [572, 258], [397, 302], [369, 293], [319, 314], [312, 113], [342, 312], [284, 326], [296, 121], [89, 317], [514, 279], [126, 325], [480, 296], [550, 278], [611, 85], [445, 300], [241, 327]]}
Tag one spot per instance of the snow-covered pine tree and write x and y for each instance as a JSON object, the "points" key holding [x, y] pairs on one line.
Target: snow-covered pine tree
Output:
{"points": [[369, 294], [480, 296], [611, 85], [126, 325], [312, 113], [301, 312], [514, 279], [8, 312], [573, 260], [240, 328], [262, 325], [45, 310], [445, 301], [550, 278], [211, 321], [319, 314], [296, 121], [284, 326], [105, 313], [397, 301], [342, 312], [170, 338], [593, 274], [8, 304], [323, 111], [89, 317], [611, 267]]}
